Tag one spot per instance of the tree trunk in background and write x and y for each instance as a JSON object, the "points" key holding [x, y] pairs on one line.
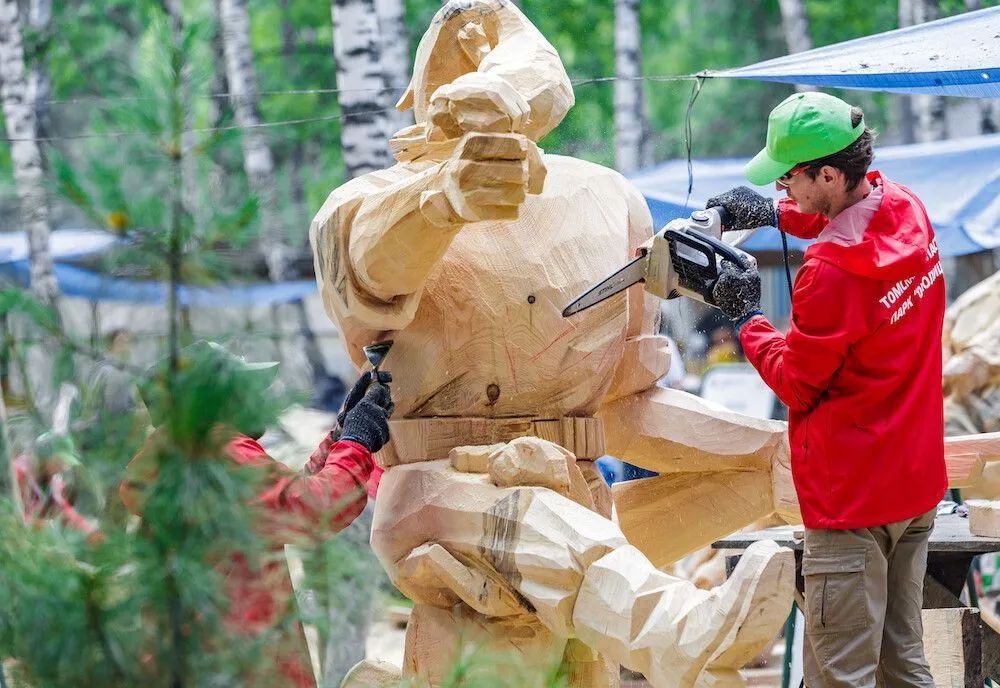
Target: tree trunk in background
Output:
{"points": [[39, 83], [19, 113], [907, 116], [289, 37], [189, 169], [932, 124], [217, 88], [357, 48], [395, 59], [630, 117], [795, 21], [220, 84], [257, 160], [988, 116]]}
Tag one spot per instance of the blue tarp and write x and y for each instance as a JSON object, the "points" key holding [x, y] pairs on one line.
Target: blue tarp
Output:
{"points": [[87, 284], [957, 180], [955, 56], [64, 244]]}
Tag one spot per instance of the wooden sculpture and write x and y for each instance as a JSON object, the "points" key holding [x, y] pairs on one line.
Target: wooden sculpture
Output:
{"points": [[491, 515], [972, 360]]}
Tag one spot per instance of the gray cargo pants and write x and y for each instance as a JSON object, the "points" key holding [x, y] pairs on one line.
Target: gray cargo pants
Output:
{"points": [[863, 594]]}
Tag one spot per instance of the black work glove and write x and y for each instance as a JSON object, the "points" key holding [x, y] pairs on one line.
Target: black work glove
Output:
{"points": [[743, 208], [358, 392], [367, 423], [737, 292]]}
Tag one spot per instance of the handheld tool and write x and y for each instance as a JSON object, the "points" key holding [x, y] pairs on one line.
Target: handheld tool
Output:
{"points": [[682, 259], [376, 353]]}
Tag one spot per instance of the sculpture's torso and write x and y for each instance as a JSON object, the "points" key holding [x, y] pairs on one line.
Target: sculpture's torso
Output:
{"points": [[489, 338]]}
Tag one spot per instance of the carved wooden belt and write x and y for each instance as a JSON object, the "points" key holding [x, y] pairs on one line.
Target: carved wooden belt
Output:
{"points": [[427, 439]]}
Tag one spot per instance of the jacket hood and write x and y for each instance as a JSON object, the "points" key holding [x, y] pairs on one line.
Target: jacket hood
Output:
{"points": [[896, 244]]}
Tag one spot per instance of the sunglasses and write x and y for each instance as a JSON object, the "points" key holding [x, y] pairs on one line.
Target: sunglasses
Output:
{"points": [[784, 179]]}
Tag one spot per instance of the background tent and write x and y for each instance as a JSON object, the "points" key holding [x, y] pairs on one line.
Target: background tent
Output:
{"points": [[957, 180], [955, 56]]}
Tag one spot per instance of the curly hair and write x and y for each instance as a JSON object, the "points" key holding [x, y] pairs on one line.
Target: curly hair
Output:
{"points": [[854, 160]]}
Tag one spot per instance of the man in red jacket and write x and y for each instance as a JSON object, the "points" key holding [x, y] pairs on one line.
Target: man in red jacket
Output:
{"points": [[324, 498], [860, 371]]}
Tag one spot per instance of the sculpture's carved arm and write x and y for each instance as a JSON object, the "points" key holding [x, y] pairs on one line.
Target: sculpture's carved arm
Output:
{"points": [[395, 239], [401, 231]]}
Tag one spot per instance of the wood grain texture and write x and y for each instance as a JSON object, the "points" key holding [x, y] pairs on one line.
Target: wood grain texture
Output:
{"points": [[984, 517], [370, 673], [570, 570], [953, 646], [699, 508], [670, 431], [414, 440], [627, 609]]}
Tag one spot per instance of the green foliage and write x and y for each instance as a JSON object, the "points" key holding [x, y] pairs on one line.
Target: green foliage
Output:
{"points": [[146, 606]]}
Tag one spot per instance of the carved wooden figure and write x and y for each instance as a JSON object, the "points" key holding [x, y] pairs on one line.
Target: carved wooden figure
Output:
{"points": [[491, 514], [972, 362]]}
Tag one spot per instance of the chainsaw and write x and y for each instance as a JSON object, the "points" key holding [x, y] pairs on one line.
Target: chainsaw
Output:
{"points": [[682, 259]]}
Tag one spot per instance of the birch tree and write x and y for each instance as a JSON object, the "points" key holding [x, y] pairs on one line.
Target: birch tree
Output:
{"points": [[795, 22], [19, 116], [257, 159], [932, 123], [39, 82], [395, 59], [630, 117], [361, 84]]}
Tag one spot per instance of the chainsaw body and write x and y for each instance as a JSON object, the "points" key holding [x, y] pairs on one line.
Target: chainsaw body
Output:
{"points": [[685, 257]]}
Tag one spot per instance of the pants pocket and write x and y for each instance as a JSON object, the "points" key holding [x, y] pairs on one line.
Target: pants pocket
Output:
{"points": [[836, 597]]}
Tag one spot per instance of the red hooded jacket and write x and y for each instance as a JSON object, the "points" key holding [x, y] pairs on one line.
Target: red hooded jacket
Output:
{"points": [[323, 499], [860, 368]]}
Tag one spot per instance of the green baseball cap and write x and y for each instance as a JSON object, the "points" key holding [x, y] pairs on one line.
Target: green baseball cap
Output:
{"points": [[804, 127]]}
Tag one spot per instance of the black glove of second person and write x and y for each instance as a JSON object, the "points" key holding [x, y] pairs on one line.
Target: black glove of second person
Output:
{"points": [[367, 423], [358, 392]]}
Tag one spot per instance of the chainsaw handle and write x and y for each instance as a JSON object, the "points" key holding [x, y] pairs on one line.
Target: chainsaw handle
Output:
{"points": [[730, 253]]}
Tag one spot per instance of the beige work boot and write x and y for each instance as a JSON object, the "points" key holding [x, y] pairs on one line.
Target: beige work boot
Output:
{"points": [[676, 634]]}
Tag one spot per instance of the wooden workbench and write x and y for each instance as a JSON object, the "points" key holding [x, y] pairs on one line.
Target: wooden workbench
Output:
{"points": [[949, 555]]}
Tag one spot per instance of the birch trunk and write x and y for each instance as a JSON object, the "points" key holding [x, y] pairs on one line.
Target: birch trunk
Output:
{"points": [[257, 160], [39, 83], [932, 124], [360, 80], [795, 21], [26, 156], [907, 114], [630, 119], [218, 88], [395, 59]]}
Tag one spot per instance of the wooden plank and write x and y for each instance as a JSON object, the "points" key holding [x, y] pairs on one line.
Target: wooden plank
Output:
{"points": [[986, 444], [703, 507], [429, 439], [964, 470], [953, 646], [984, 517]]}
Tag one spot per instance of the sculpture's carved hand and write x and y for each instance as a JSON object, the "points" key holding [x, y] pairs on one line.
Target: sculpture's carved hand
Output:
{"points": [[486, 178], [476, 102]]}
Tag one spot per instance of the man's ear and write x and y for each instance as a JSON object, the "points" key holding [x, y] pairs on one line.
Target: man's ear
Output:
{"points": [[830, 174]]}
